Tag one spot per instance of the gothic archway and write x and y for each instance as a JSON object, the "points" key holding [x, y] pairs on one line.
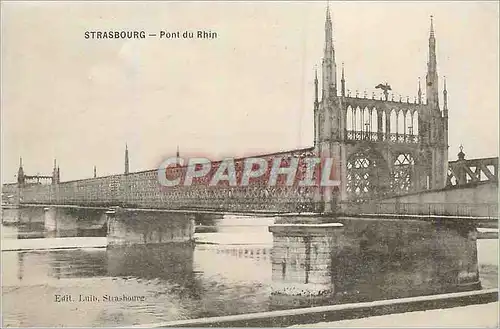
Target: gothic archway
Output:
{"points": [[403, 173], [367, 175]]}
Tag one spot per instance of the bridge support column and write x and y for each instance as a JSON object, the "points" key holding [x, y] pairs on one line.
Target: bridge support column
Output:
{"points": [[62, 221], [301, 262], [128, 227], [56, 224], [360, 259]]}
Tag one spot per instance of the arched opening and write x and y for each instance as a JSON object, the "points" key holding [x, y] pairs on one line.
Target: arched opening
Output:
{"points": [[401, 122], [374, 121], [384, 128], [366, 120], [349, 119], [403, 172], [367, 175], [415, 123], [408, 123], [359, 119], [394, 122]]}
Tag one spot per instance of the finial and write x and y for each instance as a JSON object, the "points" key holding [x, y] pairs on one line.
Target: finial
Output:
{"points": [[357, 93], [55, 163], [392, 97], [328, 10], [342, 70], [432, 26], [373, 95], [461, 154], [315, 72], [364, 94], [126, 147], [20, 161], [177, 153], [444, 78]]}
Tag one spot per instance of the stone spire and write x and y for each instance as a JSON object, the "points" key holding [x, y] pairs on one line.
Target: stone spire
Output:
{"points": [[55, 173], [432, 76], [20, 172], [126, 160], [342, 81], [329, 66], [316, 101], [419, 92], [445, 100]]}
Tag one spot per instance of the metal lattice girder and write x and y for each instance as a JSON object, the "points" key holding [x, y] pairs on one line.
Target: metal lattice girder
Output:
{"points": [[469, 171]]}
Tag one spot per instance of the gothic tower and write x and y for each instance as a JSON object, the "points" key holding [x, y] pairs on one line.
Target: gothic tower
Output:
{"points": [[434, 124], [328, 121]]}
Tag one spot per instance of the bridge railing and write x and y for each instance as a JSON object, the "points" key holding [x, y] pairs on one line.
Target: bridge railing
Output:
{"points": [[486, 210], [359, 135]]}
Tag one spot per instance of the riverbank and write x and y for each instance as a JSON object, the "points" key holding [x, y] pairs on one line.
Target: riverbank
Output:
{"points": [[477, 316]]}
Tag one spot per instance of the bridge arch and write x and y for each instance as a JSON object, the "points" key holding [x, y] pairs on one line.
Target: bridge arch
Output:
{"points": [[367, 174]]}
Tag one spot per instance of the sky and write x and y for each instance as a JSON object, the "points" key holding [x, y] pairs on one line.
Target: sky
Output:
{"points": [[248, 91]]}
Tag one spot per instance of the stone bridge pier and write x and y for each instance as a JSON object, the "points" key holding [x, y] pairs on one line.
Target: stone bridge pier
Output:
{"points": [[66, 221], [357, 259], [22, 215], [134, 226]]}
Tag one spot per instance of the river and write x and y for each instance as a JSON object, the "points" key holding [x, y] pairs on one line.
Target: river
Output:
{"points": [[226, 272]]}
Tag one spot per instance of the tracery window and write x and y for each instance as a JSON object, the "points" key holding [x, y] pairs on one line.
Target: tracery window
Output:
{"points": [[365, 173], [402, 174]]}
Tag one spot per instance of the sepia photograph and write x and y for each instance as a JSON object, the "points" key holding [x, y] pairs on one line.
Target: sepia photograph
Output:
{"points": [[249, 164]]}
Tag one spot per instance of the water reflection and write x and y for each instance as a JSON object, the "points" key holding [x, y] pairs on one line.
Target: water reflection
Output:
{"points": [[178, 281]]}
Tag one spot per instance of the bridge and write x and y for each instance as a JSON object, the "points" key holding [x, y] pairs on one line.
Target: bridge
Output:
{"points": [[399, 196]]}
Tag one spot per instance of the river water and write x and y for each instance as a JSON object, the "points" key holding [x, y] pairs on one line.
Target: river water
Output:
{"points": [[217, 276]]}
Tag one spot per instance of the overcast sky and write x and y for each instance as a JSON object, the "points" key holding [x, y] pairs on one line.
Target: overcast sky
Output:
{"points": [[249, 91]]}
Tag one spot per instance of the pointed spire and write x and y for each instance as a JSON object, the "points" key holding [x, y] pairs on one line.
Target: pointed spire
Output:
{"points": [[328, 10], [432, 92], [342, 81], [445, 99], [20, 162], [329, 75], [95, 171], [126, 160], [316, 101], [177, 154], [419, 92], [432, 27]]}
